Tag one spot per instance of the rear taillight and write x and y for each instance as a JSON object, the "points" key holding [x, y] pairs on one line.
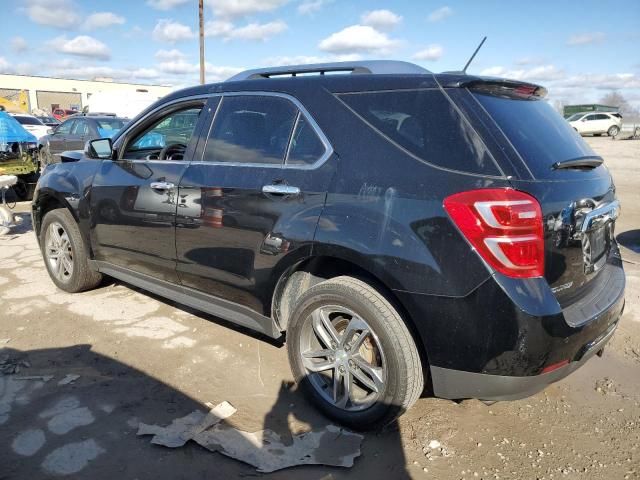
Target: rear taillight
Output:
{"points": [[504, 226]]}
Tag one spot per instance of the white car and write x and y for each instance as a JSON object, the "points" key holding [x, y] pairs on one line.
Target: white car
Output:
{"points": [[596, 123], [31, 124]]}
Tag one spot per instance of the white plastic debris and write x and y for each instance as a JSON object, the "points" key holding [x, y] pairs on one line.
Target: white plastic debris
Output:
{"points": [[264, 449], [184, 429], [433, 444], [267, 453]]}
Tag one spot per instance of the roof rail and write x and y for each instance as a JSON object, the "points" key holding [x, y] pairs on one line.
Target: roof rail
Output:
{"points": [[377, 67]]}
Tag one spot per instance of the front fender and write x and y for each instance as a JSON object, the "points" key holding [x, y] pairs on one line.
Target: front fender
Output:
{"points": [[67, 186]]}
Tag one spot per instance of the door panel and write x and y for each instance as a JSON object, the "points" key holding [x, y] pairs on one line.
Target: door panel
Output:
{"points": [[57, 140], [233, 234], [133, 200], [79, 133], [133, 223], [230, 236]]}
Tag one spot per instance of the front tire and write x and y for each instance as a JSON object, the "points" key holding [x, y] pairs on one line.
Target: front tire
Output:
{"points": [[352, 354], [65, 254]]}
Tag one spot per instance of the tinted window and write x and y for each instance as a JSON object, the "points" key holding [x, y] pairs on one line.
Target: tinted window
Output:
{"points": [[538, 132], [602, 117], [591, 117], [65, 127], [574, 117], [24, 120], [48, 120], [251, 129], [80, 128], [426, 124], [306, 147], [108, 127]]}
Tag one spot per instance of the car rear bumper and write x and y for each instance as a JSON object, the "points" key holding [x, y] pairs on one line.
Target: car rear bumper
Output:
{"points": [[504, 340], [458, 384]]}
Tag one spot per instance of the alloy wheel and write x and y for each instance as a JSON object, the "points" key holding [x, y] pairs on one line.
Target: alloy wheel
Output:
{"points": [[59, 252], [343, 358]]}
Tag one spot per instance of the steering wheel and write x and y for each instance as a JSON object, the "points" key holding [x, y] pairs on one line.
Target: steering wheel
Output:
{"points": [[169, 148]]}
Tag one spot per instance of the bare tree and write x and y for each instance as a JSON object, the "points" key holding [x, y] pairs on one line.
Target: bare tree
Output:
{"points": [[558, 104], [616, 99]]}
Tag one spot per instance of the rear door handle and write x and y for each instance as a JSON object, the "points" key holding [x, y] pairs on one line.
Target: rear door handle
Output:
{"points": [[281, 190], [162, 186]]}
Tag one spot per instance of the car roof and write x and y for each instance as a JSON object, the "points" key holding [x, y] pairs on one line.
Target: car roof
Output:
{"points": [[96, 118]]}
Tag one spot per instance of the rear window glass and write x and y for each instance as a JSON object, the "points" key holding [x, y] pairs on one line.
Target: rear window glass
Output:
{"points": [[306, 147], [425, 123], [539, 134]]}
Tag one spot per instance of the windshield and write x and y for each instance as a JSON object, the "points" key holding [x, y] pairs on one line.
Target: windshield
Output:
{"points": [[25, 120], [539, 134], [48, 120], [575, 116]]}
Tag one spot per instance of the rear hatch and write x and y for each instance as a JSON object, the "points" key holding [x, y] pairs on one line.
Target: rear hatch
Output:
{"points": [[550, 161]]}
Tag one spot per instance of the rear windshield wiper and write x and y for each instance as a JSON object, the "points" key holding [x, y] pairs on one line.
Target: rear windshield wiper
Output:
{"points": [[582, 162]]}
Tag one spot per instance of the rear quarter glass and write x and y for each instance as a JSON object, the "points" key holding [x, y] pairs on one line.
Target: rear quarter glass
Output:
{"points": [[538, 133], [427, 125]]}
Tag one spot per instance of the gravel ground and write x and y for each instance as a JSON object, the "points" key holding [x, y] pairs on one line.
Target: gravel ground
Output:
{"points": [[105, 360]]}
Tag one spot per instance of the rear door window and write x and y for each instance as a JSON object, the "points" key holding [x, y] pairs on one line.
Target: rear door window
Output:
{"points": [[306, 147], [251, 129], [427, 125], [539, 134]]}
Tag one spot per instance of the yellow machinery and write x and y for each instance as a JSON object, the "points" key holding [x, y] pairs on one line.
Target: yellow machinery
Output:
{"points": [[21, 105]]}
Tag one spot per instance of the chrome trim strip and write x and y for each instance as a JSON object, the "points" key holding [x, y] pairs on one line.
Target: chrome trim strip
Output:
{"points": [[325, 141], [609, 211]]}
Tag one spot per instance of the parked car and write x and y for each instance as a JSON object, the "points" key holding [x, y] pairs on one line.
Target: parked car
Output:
{"points": [[596, 123], [402, 228], [31, 124], [62, 113], [48, 120], [73, 133]]}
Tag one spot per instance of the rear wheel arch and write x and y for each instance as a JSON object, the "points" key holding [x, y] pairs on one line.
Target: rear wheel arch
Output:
{"points": [[311, 271]]}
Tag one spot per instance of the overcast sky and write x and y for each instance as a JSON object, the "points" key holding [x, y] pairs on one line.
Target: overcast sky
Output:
{"points": [[579, 50]]}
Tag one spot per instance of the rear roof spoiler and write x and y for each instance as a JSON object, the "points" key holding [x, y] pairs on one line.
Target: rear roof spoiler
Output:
{"points": [[492, 85], [375, 67]]}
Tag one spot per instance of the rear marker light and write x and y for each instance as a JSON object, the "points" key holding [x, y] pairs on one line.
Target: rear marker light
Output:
{"points": [[504, 226], [555, 366]]}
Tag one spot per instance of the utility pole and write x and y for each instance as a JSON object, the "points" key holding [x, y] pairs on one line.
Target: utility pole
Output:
{"points": [[201, 15]]}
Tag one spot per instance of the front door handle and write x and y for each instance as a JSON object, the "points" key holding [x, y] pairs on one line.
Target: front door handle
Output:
{"points": [[281, 189], [162, 186]]}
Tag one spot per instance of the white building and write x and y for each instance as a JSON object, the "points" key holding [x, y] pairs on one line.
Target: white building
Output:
{"points": [[47, 93]]}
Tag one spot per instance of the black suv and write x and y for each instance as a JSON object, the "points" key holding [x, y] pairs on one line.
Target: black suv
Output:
{"points": [[408, 231]]}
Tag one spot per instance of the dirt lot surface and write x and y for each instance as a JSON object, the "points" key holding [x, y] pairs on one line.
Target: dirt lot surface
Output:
{"points": [[140, 358]]}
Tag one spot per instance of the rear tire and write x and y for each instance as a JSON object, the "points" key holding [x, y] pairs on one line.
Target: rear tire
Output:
{"points": [[65, 254], [613, 131], [365, 344]]}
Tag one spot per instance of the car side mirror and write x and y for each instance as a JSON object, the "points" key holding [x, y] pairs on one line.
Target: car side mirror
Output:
{"points": [[101, 148]]}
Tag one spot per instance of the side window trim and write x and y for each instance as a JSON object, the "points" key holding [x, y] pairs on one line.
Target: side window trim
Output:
{"points": [[290, 142], [301, 111]]}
